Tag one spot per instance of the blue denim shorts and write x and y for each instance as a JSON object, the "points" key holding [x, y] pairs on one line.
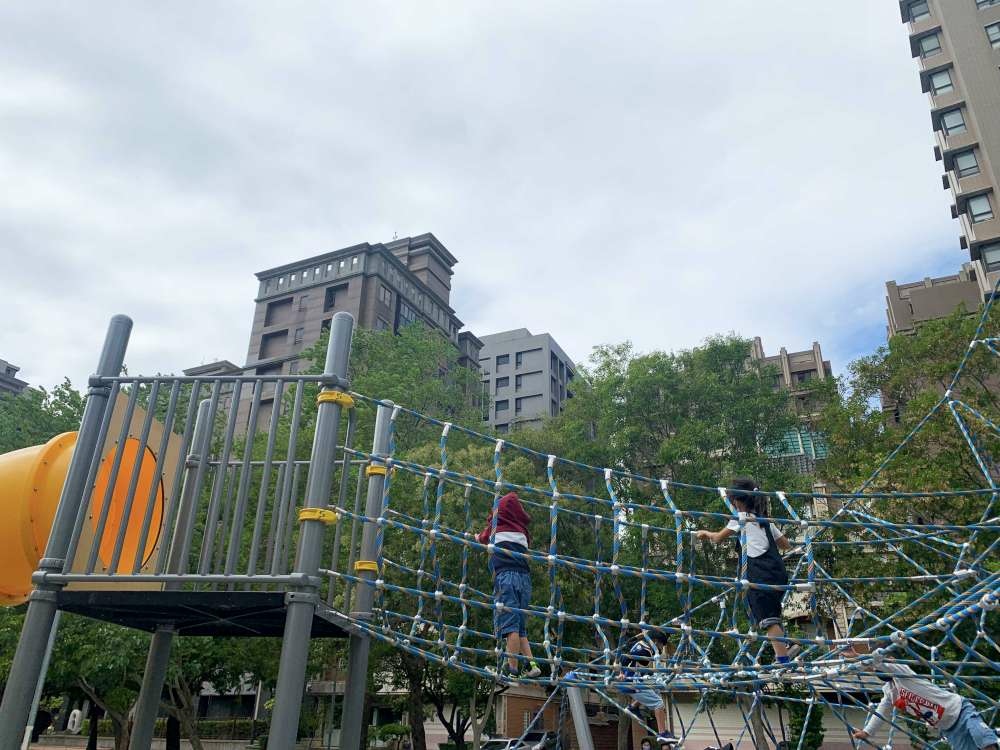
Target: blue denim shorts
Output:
{"points": [[970, 732], [513, 588], [644, 696]]}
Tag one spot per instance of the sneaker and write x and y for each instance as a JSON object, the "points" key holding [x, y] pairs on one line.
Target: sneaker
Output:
{"points": [[666, 739], [794, 650], [532, 672]]}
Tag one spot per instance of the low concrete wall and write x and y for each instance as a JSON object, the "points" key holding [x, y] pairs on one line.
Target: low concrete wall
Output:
{"points": [[66, 742]]}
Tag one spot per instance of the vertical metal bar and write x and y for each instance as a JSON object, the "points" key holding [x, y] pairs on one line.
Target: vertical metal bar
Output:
{"points": [[239, 511], [352, 549], [584, 740], [147, 520], [302, 601], [289, 529], [233, 470], [208, 541], [116, 466], [133, 482], [171, 509], [345, 472], [39, 620], [148, 704], [187, 540], [88, 499], [262, 501], [360, 643], [279, 482], [277, 529]]}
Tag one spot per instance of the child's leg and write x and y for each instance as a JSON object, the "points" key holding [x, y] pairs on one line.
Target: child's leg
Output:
{"points": [[513, 649], [661, 719], [525, 647], [780, 647]]}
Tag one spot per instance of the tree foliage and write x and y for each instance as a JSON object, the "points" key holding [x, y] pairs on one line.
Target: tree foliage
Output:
{"points": [[35, 415]]}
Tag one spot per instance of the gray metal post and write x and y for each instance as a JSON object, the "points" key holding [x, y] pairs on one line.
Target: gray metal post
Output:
{"points": [[357, 663], [302, 602], [580, 723], [38, 621], [41, 683], [158, 657]]}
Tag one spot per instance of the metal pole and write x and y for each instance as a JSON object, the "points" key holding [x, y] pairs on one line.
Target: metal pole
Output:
{"points": [[41, 684], [158, 658], [301, 602], [357, 663], [584, 741], [40, 618]]}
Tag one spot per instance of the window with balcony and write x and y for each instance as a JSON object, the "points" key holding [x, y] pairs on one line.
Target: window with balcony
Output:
{"points": [[941, 82], [966, 163], [993, 34], [953, 122], [930, 45], [918, 11], [979, 209]]}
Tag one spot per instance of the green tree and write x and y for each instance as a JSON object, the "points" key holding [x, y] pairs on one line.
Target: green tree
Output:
{"points": [[35, 415]]}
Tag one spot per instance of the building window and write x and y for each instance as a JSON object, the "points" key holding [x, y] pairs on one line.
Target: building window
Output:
{"points": [[518, 382], [329, 267], [291, 279], [384, 295], [993, 34], [966, 163], [918, 11], [503, 429], [941, 82], [325, 325], [991, 256], [502, 383], [299, 335], [953, 122], [503, 359], [407, 315], [519, 360], [354, 261], [930, 45], [281, 281], [980, 209], [381, 324], [518, 405], [303, 302], [502, 405], [987, 3], [329, 298], [316, 272], [293, 367]]}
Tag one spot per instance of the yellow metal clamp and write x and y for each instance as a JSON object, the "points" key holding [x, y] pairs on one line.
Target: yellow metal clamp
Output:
{"points": [[318, 514], [336, 397], [375, 469], [369, 565]]}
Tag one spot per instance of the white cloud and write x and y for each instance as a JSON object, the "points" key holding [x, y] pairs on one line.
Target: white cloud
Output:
{"points": [[654, 171]]}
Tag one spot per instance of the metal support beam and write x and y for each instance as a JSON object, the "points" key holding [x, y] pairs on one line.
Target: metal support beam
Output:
{"points": [[360, 643], [302, 602], [40, 618], [584, 740]]}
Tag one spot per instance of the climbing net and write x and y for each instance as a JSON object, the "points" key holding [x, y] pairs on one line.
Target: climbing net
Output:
{"points": [[909, 575]]}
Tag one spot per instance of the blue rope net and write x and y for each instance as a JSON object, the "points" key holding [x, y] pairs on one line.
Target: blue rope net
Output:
{"points": [[613, 555]]}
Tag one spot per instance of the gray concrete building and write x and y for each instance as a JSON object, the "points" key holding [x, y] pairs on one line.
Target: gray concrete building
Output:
{"points": [[385, 286], [9, 382], [801, 447], [957, 46], [526, 378], [908, 305]]}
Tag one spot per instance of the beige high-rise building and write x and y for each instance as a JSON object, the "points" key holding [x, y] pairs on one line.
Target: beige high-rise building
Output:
{"points": [[957, 46]]}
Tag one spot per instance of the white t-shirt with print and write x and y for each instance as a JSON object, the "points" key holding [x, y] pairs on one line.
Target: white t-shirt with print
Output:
{"points": [[756, 538]]}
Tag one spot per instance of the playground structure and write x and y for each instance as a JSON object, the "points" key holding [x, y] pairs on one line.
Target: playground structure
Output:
{"points": [[293, 528]]}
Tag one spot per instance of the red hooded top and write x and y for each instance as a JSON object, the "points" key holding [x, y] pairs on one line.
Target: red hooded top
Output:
{"points": [[511, 517]]}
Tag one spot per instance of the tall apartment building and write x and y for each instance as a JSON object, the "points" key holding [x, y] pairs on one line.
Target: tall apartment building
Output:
{"points": [[526, 378], [802, 446], [957, 45], [9, 382], [385, 286]]}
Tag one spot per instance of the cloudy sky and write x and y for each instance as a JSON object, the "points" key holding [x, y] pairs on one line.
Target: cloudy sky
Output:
{"points": [[658, 171]]}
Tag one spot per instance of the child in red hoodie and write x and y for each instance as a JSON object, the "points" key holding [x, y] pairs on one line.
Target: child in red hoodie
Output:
{"points": [[511, 581]]}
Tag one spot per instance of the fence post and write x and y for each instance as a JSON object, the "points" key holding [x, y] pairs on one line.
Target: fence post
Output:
{"points": [[360, 643], [148, 704], [302, 600], [581, 723], [39, 620]]}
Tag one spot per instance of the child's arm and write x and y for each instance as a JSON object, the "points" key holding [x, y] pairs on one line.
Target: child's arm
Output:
{"points": [[782, 542], [484, 536], [715, 536]]}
